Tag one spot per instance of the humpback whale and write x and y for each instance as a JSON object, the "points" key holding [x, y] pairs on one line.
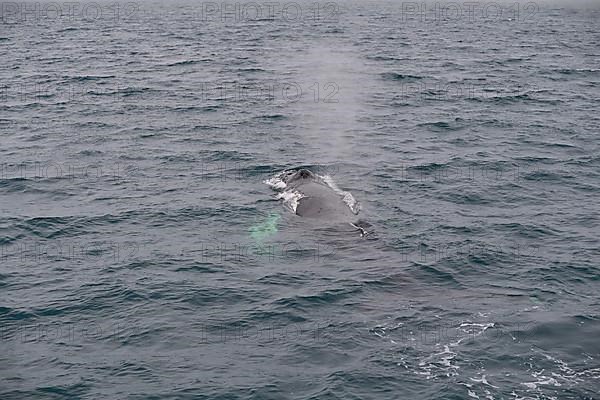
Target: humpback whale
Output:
{"points": [[310, 196]]}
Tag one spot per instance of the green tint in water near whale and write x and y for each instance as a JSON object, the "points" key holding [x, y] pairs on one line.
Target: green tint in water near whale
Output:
{"points": [[265, 229]]}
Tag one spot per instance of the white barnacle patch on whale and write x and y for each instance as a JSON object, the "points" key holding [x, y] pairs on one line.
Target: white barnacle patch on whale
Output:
{"points": [[289, 196], [346, 196], [290, 199], [276, 182]]}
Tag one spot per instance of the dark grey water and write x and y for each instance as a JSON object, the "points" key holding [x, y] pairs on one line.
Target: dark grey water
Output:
{"points": [[143, 257]]}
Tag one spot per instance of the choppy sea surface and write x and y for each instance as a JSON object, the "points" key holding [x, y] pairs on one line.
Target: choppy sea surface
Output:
{"points": [[144, 257]]}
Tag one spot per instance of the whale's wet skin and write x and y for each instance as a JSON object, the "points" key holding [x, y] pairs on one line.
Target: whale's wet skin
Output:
{"points": [[312, 196]]}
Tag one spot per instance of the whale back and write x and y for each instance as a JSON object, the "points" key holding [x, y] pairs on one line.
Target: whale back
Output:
{"points": [[320, 201], [317, 198]]}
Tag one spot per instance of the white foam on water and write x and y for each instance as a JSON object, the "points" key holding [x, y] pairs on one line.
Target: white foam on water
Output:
{"points": [[483, 380], [483, 386], [442, 359], [439, 364], [473, 329], [567, 375], [541, 380]]}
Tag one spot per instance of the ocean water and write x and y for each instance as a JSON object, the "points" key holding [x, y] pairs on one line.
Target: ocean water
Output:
{"points": [[144, 257]]}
